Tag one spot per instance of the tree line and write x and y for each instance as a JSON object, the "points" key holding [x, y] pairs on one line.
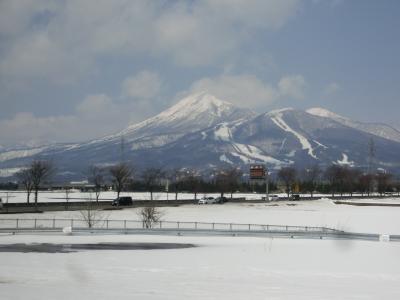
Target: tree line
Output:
{"points": [[335, 179]]}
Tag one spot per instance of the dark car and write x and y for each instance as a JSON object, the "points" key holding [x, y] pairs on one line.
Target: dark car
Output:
{"points": [[122, 201], [295, 197], [221, 200]]}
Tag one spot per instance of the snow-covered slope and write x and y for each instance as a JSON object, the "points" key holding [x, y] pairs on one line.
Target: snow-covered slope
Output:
{"points": [[276, 117], [381, 130], [190, 114]]}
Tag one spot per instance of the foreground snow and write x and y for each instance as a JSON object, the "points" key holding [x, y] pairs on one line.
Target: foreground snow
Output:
{"points": [[219, 268]]}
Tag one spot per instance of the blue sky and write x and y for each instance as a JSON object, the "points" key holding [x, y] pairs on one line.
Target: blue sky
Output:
{"points": [[75, 70]]}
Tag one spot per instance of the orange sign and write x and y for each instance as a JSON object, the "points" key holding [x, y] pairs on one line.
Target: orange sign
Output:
{"points": [[257, 172]]}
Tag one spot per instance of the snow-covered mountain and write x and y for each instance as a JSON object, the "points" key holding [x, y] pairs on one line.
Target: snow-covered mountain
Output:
{"points": [[283, 137], [204, 132], [190, 114], [381, 130]]}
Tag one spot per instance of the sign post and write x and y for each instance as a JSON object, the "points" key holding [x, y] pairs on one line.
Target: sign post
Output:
{"points": [[266, 185], [167, 188], [260, 172]]}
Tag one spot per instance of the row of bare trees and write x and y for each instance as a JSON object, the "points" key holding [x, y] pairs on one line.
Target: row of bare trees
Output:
{"points": [[336, 179], [121, 177], [154, 179]]}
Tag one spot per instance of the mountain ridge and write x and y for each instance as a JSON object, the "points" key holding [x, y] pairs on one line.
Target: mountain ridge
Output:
{"points": [[202, 131]]}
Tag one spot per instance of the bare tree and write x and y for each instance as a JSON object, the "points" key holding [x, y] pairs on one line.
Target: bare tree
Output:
{"points": [[345, 179], [352, 180], [67, 192], [150, 215], [397, 186], [91, 214], [25, 178], [151, 179], [332, 174], [383, 180], [312, 176], [96, 177], [288, 176], [176, 176], [365, 181], [343, 175], [228, 180], [121, 174], [193, 182], [40, 171]]}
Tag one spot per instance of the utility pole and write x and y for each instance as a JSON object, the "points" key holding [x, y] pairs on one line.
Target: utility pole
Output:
{"points": [[266, 184], [122, 149], [371, 160], [371, 155]]}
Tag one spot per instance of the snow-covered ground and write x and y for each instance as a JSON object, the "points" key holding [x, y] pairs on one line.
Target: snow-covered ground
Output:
{"points": [[219, 267], [368, 219], [76, 195]]}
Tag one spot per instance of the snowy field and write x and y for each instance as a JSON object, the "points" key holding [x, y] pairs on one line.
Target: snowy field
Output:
{"points": [[321, 213], [76, 195], [219, 267]]}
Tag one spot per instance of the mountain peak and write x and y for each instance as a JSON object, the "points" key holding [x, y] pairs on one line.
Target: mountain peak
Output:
{"points": [[322, 112], [196, 111], [195, 104], [279, 111]]}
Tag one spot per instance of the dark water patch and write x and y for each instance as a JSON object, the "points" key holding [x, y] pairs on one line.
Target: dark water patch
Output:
{"points": [[68, 248], [367, 204]]}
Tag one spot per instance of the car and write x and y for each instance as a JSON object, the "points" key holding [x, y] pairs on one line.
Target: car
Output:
{"points": [[295, 197], [221, 200], [207, 200], [120, 201], [273, 197]]}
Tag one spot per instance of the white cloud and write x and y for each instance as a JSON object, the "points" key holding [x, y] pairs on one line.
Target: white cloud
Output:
{"points": [[61, 40], [64, 41], [15, 16], [97, 115], [31, 129], [243, 90], [292, 86], [95, 106], [248, 90], [144, 85], [331, 88]]}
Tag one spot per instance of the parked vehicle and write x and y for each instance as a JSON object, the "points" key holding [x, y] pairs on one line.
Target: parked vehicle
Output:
{"points": [[207, 200], [295, 197], [221, 200], [121, 201], [273, 197]]}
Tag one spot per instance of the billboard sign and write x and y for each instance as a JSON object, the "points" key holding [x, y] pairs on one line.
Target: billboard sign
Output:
{"points": [[257, 172]]}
